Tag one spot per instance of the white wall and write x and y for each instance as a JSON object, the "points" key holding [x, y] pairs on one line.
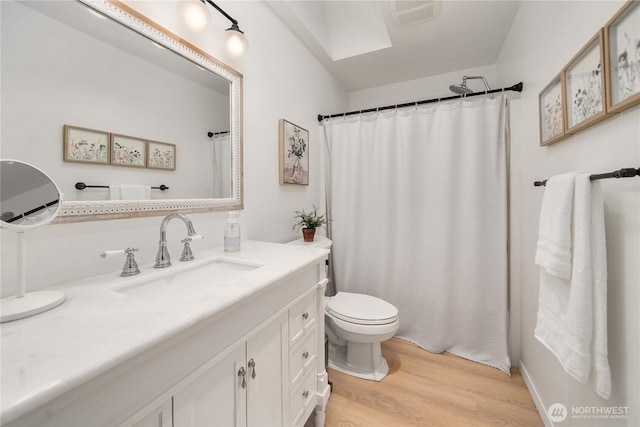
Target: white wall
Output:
{"points": [[419, 89], [542, 39], [282, 79]]}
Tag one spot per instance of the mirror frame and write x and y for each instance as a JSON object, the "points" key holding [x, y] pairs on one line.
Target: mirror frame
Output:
{"points": [[80, 211]]}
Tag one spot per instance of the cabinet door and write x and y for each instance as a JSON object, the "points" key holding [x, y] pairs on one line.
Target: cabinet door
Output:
{"points": [[266, 360], [215, 398]]}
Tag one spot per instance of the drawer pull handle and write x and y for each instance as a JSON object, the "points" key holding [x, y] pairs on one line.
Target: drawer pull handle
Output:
{"points": [[252, 365], [305, 316], [305, 394], [242, 373], [305, 354]]}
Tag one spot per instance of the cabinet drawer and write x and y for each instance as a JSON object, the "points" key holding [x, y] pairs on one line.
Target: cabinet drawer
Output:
{"points": [[302, 396], [302, 317], [302, 355]]}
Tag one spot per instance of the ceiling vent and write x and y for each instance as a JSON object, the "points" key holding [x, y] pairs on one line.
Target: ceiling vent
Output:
{"points": [[406, 13]]}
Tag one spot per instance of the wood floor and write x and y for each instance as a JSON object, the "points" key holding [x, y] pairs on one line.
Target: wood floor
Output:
{"points": [[425, 389]]}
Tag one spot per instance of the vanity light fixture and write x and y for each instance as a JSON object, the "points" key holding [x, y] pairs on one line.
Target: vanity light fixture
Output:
{"points": [[196, 15]]}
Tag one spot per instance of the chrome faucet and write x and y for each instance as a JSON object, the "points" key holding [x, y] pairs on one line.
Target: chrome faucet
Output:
{"points": [[162, 258]]}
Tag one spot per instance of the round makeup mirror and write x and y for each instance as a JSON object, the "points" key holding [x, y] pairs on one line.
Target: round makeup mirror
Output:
{"points": [[28, 199]]}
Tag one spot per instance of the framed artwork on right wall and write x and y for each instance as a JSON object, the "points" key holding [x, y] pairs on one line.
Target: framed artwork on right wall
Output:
{"points": [[622, 56], [584, 86], [551, 104]]}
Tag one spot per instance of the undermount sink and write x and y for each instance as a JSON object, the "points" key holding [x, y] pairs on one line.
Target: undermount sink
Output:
{"points": [[187, 282]]}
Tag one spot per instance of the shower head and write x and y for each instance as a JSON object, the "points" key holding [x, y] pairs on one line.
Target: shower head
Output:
{"points": [[463, 89]]}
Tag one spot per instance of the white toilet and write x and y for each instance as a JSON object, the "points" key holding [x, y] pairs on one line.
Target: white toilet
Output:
{"points": [[356, 324]]}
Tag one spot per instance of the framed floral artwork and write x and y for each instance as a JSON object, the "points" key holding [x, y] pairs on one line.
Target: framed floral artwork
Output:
{"points": [[584, 78], [622, 58], [551, 104], [83, 145], [161, 155], [128, 151], [294, 154]]}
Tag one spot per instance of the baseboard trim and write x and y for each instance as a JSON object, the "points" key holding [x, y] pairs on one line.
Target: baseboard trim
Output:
{"points": [[534, 395]]}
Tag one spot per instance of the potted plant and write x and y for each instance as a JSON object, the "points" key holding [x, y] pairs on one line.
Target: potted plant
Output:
{"points": [[308, 222]]}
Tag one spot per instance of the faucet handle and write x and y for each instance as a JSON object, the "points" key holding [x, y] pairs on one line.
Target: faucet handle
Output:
{"points": [[130, 267], [187, 254]]}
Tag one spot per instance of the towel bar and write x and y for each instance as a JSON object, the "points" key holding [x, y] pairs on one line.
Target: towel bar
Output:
{"points": [[82, 186], [622, 173]]}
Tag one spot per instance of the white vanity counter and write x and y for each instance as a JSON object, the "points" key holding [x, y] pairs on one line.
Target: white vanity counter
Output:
{"points": [[98, 330]]}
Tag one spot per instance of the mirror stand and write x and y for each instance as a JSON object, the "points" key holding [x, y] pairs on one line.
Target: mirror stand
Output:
{"points": [[26, 304], [28, 199]]}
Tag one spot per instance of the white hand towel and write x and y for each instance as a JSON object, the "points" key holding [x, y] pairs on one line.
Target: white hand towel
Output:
{"points": [[554, 231], [134, 192], [572, 312], [114, 192]]}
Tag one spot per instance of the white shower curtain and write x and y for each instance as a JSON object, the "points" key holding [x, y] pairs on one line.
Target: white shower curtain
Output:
{"points": [[418, 203], [221, 156]]}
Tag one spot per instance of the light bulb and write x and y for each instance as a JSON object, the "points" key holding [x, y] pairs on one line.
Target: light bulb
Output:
{"points": [[235, 42], [195, 14]]}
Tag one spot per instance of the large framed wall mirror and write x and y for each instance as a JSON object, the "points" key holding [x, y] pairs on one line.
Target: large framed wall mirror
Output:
{"points": [[99, 65]]}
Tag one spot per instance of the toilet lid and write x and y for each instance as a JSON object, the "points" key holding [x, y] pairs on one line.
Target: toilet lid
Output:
{"points": [[361, 309]]}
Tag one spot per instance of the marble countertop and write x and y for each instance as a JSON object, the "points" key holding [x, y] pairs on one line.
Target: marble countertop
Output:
{"points": [[97, 328]]}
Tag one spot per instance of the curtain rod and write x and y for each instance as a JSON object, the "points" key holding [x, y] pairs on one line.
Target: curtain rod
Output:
{"points": [[516, 88], [622, 173]]}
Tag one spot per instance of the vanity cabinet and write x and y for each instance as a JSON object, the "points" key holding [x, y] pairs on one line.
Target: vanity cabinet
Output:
{"points": [[242, 389], [268, 380], [182, 364]]}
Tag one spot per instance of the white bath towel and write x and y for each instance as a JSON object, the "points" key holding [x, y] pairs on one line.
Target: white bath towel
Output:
{"points": [[114, 192], [135, 192], [572, 317], [554, 231]]}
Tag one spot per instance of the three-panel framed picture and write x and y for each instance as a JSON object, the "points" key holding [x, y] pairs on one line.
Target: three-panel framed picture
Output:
{"points": [[84, 145]]}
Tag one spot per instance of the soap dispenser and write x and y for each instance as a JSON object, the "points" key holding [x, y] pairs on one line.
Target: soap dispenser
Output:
{"points": [[232, 233]]}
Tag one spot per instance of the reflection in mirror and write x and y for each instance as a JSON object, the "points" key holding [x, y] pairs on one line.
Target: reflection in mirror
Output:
{"points": [[28, 199], [102, 78]]}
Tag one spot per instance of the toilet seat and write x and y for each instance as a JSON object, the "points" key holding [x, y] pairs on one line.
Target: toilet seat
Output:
{"points": [[361, 309]]}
